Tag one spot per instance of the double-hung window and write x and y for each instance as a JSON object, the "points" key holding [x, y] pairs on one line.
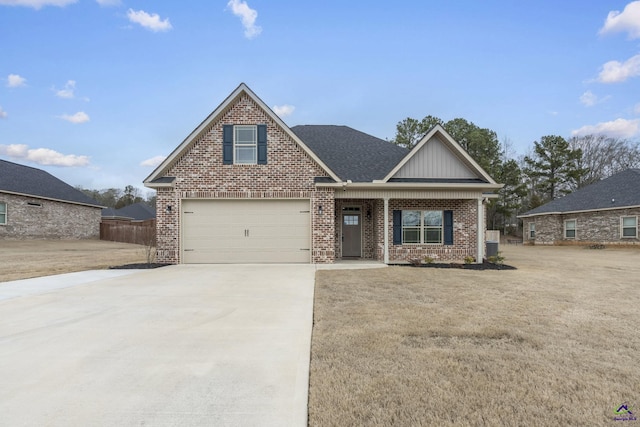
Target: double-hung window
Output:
{"points": [[422, 227], [532, 230], [629, 227], [570, 229], [3, 213], [245, 145]]}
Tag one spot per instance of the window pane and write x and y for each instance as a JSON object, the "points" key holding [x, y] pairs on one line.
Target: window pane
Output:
{"points": [[570, 234], [245, 154], [351, 219], [3, 218], [433, 218], [626, 222], [626, 232], [433, 235], [3, 208], [245, 135], [410, 218], [571, 224], [411, 235]]}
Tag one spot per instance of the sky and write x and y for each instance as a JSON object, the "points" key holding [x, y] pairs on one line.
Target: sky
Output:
{"points": [[98, 92]]}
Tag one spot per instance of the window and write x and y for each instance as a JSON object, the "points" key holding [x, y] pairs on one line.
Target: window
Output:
{"points": [[245, 145], [3, 213], [570, 229], [422, 227], [628, 226], [532, 230]]}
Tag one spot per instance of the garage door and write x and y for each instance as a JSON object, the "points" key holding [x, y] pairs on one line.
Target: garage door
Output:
{"points": [[245, 231]]}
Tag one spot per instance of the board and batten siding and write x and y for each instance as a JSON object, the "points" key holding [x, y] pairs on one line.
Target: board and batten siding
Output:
{"points": [[435, 160]]}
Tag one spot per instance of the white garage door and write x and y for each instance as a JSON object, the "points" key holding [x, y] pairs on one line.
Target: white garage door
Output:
{"points": [[245, 231]]}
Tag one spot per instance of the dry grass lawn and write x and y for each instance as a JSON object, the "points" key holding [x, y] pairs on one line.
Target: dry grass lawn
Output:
{"points": [[555, 342], [23, 259]]}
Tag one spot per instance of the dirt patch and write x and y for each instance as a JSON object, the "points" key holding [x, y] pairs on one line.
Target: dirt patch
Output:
{"points": [[23, 259], [551, 343]]}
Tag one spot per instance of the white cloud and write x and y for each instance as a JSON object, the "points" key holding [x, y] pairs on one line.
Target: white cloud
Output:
{"points": [[15, 80], [626, 21], [153, 162], [3, 114], [36, 4], [43, 156], [248, 16], [284, 110], [107, 3], [79, 117], [149, 21], [616, 72], [588, 99], [67, 92], [619, 128]]}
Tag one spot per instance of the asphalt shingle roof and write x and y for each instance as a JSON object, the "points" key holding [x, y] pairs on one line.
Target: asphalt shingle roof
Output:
{"points": [[34, 182], [349, 153], [136, 211], [617, 191]]}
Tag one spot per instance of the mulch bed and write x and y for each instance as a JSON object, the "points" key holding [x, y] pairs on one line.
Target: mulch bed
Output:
{"points": [[484, 266], [141, 266]]}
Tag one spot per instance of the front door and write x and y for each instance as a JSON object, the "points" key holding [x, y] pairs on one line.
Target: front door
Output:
{"points": [[351, 234]]}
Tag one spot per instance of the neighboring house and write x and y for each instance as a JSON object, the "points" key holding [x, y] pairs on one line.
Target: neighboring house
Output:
{"points": [[604, 212], [243, 187], [134, 212], [36, 205]]}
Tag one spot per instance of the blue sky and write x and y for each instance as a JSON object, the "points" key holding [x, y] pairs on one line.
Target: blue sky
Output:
{"points": [[97, 91]]}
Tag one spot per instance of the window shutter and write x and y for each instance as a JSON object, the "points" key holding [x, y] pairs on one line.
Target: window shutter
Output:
{"points": [[397, 227], [262, 144], [227, 144], [448, 227]]}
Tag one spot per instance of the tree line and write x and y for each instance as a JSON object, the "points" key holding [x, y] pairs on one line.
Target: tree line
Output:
{"points": [[118, 198], [553, 167]]}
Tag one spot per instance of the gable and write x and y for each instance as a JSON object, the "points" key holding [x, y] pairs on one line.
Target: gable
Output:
{"points": [[242, 106], [435, 160], [437, 156]]}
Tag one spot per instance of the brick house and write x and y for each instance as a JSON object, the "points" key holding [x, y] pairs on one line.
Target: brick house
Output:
{"points": [[36, 205], [243, 187], [604, 212]]}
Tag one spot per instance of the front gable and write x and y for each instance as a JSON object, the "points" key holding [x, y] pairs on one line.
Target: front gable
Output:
{"points": [[200, 159], [438, 157]]}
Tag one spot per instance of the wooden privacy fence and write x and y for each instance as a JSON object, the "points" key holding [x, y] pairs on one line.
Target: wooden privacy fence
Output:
{"points": [[138, 232]]}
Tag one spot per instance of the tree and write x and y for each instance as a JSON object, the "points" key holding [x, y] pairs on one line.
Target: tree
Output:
{"points": [[500, 211], [603, 156], [131, 195], [409, 131], [554, 168]]}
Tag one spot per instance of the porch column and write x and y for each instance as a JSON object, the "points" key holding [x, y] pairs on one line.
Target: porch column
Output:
{"points": [[480, 233], [386, 231]]}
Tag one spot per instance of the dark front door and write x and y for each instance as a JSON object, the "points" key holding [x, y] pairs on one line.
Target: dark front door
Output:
{"points": [[351, 235]]}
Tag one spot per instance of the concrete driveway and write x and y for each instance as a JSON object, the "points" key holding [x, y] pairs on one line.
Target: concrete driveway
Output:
{"points": [[222, 345]]}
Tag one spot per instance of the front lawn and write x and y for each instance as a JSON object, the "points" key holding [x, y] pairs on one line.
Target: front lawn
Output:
{"points": [[555, 342]]}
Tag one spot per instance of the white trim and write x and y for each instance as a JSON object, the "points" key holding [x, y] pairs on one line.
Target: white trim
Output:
{"points": [[480, 233], [577, 212], [386, 230], [453, 145], [52, 199], [6, 208], [211, 118], [408, 185], [622, 236], [422, 227], [529, 231]]}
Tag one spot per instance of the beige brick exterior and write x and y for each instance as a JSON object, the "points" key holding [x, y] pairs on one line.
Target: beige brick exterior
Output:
{"points": [[591, 227], [289, 173], [34, 218]]}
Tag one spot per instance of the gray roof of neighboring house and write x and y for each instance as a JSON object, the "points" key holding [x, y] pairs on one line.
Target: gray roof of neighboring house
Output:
{"points": [[349, 153], [618, 191], [20, 179], [136, 212]]}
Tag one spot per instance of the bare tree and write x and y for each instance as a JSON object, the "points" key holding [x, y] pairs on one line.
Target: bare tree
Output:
{"points": [[603, 156]]}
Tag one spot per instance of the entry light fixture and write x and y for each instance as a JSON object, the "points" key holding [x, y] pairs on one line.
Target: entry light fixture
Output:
{"points": [[369, 214], [168, 208], [319, 209]]}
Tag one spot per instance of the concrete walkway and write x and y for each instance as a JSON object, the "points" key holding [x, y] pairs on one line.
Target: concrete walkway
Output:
{"points": [[189, 345]]}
